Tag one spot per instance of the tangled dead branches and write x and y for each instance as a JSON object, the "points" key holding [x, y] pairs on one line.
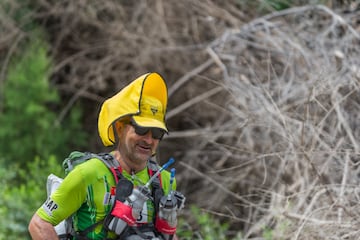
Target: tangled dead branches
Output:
{"points": [[284, 150]]}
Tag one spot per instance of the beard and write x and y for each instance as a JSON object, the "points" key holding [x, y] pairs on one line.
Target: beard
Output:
{"points": [[136, 153]]}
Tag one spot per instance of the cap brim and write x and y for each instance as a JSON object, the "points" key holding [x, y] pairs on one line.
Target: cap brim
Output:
{"points": [[149, 122]]}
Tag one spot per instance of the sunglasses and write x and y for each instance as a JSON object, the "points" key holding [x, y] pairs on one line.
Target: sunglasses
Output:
{"points": [[156, 133]]}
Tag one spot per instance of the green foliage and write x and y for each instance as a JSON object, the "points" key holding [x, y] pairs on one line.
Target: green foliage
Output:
{"points": [[268, 6], [278, 231], [19, 202], [205, 227], [29, 126], [278, 5], [19, 12], [268, 233]]}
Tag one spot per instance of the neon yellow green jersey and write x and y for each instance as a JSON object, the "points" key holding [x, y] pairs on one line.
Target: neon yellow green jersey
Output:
{"points": [[85, 192]]}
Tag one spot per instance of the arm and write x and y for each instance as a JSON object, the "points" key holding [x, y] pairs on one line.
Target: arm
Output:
{"points": [[59, 205], [41, 230]]}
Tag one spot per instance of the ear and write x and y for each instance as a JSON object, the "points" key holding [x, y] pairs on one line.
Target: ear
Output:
{"points": [[118, 125]]}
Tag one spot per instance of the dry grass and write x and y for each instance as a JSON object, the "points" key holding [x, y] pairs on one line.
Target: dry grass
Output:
{"points": [[264, 113], [283, 152]]}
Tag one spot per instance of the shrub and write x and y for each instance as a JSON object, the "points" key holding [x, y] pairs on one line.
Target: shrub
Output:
{"points": [[19, 202], [29, 126], [205, 227]]}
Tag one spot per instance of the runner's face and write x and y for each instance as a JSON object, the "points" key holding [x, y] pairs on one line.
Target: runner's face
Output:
{"points": [[135, 148]]}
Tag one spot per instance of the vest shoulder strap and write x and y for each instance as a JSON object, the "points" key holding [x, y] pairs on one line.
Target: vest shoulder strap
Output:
{"points": [[157, 190], [76, 157], [112, 164]]}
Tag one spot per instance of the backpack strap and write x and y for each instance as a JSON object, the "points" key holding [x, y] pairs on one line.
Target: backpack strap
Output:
{"points": [[157, 191], [112, 164], [74, 159], [82, 235], [77, 157]]}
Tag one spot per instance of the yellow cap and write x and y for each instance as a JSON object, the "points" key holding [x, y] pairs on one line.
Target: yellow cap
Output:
{"points": [[145, 99]]}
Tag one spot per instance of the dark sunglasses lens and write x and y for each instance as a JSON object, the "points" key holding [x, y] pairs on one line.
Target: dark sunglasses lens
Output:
{"points": [[157, 133], [141, 130]]}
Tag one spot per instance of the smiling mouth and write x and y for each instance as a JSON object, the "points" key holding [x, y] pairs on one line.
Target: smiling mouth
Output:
{"points": [[144, 149]]}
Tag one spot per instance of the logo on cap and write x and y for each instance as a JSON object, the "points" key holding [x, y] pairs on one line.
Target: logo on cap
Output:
{"points": [[153, 109]]}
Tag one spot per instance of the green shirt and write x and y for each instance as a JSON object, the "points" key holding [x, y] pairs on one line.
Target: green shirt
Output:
{"points": [[85, 191]]}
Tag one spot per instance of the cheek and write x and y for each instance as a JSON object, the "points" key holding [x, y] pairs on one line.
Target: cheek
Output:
{"points": [[130, 138], [123, 137], [156, 144]]}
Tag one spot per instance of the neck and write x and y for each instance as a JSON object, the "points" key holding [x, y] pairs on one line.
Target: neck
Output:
{"points": [[128, 165]]}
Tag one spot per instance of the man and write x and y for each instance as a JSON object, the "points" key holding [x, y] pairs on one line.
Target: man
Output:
{"points": [[134, 121]]}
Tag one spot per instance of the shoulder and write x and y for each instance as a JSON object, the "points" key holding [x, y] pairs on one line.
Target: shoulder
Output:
{"points": [[93, 167]]}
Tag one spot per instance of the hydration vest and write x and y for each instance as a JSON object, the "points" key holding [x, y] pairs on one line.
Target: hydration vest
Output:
{"points": [[75, 158]]}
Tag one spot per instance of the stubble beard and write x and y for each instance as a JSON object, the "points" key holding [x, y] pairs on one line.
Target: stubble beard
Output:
{"points": [[132, 155]]}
